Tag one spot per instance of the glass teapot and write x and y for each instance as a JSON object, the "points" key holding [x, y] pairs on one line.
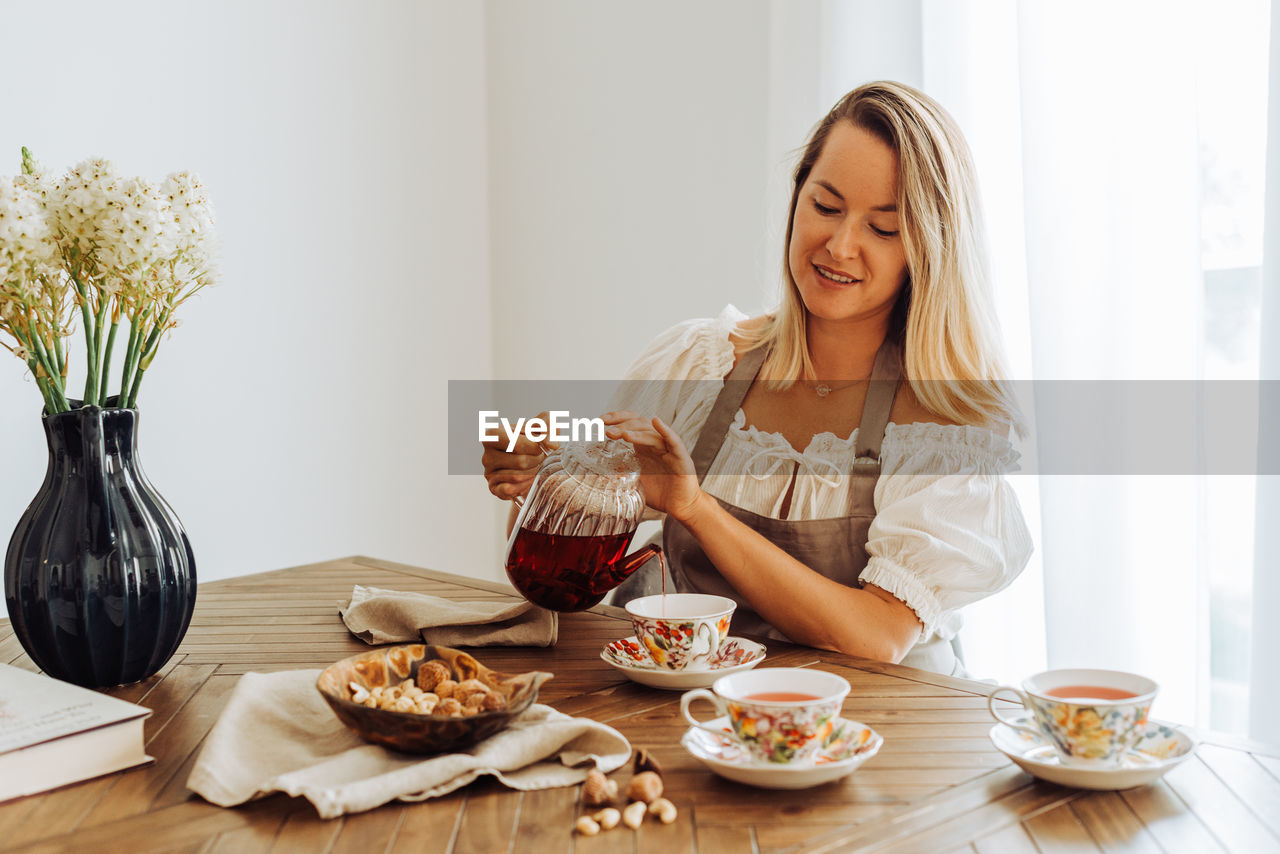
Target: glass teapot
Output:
{"points": [[568, 547]]}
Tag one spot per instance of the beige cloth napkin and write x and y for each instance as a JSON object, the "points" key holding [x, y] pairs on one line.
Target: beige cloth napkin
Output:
{"points": [[391, 616], [278, 735]]}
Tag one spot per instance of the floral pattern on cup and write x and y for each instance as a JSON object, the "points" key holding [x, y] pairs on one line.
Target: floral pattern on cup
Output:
{"points": [[1156, 741], [846, 740], [1086, 731], [784, 734], [680, 644]]}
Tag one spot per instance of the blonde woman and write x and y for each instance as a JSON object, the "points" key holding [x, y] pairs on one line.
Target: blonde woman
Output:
{"points": [[836, 467]]}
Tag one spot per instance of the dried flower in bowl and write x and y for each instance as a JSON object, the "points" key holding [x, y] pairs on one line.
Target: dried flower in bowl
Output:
{"points": [[482, 701]]}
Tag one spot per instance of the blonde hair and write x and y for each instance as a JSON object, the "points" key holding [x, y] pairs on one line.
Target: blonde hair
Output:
{"points": [[945, 319]]}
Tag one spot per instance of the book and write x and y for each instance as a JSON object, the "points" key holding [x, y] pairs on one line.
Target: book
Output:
{"points": [[53, 733]]}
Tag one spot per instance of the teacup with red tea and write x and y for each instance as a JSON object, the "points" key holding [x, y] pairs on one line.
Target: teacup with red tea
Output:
{"points": [[777, 714], [682, 631], [1092, 717]]}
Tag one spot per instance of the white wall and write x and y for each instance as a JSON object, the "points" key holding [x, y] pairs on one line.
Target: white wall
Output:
{"points": [[628, 161], [298, 413]]}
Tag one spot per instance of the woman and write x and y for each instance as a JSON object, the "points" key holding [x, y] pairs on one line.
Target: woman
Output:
{"points": [[839, 505]]}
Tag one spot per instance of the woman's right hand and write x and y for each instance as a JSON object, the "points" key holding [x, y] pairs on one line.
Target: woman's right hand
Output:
{"points": [[510, 473]]}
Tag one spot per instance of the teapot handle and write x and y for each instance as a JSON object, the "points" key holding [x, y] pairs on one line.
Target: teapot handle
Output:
{"points": [[546, 452]]}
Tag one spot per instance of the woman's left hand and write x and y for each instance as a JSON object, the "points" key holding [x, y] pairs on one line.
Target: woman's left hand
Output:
{"points": [[667, 474]]}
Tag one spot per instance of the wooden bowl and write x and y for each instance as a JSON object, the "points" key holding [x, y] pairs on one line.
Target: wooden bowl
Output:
{"points": [[416, 733]]}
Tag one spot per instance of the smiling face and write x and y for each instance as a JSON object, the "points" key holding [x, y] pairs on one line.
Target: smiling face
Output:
{"points": [[846, 254]]}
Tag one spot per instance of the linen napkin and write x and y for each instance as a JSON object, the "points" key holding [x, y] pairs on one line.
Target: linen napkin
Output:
{"points": [[379, 616], [278, 735]]}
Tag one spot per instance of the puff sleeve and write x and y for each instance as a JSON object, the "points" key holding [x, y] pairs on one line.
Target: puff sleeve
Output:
{"points": [[948, 529]]}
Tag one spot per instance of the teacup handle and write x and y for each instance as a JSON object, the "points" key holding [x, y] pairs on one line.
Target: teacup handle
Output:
{"points": [[701, 694], [1010, 722]]}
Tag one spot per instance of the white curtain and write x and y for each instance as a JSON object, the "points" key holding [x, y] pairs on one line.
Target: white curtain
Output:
{"points": [[1087, 128], [1264, 677]]}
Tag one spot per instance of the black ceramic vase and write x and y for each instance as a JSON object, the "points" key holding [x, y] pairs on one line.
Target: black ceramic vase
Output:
{"points": [[99, 576]]}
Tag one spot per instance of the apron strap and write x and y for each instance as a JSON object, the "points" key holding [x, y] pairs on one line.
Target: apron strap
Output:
{"points": [[886, 375], [736, 386]]}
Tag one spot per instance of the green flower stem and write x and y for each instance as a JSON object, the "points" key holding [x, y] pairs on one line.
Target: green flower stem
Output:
{"points": [[40, 358], [130, 359], [99, 374], [106, 363], [148, 352], [43, 385], [91, 381]]}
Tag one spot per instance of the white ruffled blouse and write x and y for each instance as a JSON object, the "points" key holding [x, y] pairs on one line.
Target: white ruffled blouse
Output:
{"points": [[948, 533]]}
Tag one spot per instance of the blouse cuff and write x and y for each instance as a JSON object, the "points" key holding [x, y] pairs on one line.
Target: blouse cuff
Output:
{"points": [[906, 586]]}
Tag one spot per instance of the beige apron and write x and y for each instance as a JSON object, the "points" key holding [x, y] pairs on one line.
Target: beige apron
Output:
{"points": [[836, 547]]}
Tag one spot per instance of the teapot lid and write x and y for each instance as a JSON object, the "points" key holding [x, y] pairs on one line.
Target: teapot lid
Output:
{"points": [[612, 458]]}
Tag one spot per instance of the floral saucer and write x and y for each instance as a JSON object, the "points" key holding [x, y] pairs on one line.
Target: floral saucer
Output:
{"points": [[1160, 749], [850, 745], [735, 655]]}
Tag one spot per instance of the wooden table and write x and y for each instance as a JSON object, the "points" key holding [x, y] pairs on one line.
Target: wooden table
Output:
{"points": [[937, 785]]}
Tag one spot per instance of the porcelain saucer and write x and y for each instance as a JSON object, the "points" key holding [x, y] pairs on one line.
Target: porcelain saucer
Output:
{"points": [[850, 745], [736, 655], [1160, 749]]}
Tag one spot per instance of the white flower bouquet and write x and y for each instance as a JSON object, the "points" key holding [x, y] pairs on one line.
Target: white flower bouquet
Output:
{"points": [[112, 250]]}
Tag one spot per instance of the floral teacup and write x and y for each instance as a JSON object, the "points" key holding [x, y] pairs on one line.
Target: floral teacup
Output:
{"points": [[778, 714], [682, 631], [1091, 717]]}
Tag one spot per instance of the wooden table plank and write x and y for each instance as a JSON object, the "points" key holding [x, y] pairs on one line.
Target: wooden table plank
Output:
{"points": [[1060, 831], [1011, 840], [302, 834], [1227, 818], [367, 831], [718, 839], [1113, 826], [1248, 780], [489, 822], [1167, 818], [546, 823]]}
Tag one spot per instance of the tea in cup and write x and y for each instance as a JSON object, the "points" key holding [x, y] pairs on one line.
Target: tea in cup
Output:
{"points": [[681, 631], [778, 714], [1092, 717]]}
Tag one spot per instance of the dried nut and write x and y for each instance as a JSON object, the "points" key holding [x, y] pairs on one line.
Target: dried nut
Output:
{"points": [[587, 826], [403, 704], [607, 818], [474, 701], [644, 761], [449, 706], [664, 810], [445, 688], [467, 687], [359, 693], [633, 815], [432, 673], [645, 786], [598, 790]]}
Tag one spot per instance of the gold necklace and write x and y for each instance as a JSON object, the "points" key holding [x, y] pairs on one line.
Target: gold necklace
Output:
{"points": [[822, 389]]}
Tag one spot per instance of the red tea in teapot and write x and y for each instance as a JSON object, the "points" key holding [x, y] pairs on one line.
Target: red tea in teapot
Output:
{"points": [[567, 573], [575, 524]]}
